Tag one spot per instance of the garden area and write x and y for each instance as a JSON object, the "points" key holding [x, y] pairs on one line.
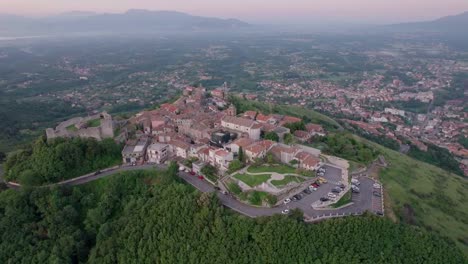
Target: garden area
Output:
{"points": [[287, 179], [278, 168], [252, 180]]}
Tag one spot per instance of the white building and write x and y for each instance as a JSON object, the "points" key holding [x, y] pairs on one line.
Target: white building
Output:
{"points": [[157, 153], [242, 125]]}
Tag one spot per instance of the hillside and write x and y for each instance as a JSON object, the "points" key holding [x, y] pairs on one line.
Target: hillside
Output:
{"points": [[424, 195], [419, 193], [448, 24], [132, 21], [148, 217]]}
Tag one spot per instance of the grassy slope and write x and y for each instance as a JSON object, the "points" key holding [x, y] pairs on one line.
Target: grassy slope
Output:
{"points": [[426, 195], [437, 200], [287, 179], [277, 168], [253, 180]]}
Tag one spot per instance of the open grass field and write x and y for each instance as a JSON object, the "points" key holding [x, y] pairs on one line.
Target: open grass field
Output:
{"points": [[280, 168], [253, 180], [72, 128], [94, 122], [287, 179], [425, 195]]}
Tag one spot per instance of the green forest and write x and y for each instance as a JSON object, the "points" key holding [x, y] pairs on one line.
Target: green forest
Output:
{"points": [[345, 146], [152, 217], [60, 159]]}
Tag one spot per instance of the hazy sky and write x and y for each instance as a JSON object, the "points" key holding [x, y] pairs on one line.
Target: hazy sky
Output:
{"points": [[378, 11]]}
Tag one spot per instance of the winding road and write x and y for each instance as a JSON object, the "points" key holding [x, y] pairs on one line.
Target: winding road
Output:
{"points": [[361, 202]]}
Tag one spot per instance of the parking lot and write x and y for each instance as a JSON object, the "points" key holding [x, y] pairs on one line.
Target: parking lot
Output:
{"points": [[363, 201], [333, 177]]}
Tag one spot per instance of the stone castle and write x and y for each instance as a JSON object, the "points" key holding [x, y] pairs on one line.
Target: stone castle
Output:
{"points": [[97, 126]]}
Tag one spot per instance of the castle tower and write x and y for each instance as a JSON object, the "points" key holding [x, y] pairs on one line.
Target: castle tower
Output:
{"points": [[231, 111]]}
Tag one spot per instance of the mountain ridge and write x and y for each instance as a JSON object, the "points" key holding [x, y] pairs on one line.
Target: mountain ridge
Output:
{"points": [[132, 20]]}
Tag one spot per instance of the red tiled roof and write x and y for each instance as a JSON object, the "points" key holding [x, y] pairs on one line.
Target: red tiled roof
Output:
{"points": [[301, 134]]}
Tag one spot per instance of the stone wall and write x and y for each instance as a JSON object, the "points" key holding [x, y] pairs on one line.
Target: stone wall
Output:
{"points": [[105, 130]]}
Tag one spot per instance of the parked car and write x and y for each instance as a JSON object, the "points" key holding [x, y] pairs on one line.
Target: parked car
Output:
{"points": [[297, 197], [285, 211], [315, 185], [322, 180], [331, 195], [97, 172], [307, 191], [377, 194], [286, 201], [377, 186], [324, 199], [192, 173], [336, 190], [355, 190], [355, 182], [342, 186], [312, 188], [379, 213], [200, 177]]}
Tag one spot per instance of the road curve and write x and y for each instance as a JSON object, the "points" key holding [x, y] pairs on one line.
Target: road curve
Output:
{"points": [[361, 203]]}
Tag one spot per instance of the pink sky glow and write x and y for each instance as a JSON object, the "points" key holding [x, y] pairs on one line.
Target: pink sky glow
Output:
{"points": [[258, 10]]}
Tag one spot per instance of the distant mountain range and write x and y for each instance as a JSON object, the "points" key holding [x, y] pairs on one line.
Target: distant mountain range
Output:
{"points": [[449, 24], [145, 21], [130, 21]]}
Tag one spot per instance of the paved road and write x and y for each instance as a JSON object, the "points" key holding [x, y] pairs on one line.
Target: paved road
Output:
{"points": [[362, 202]]}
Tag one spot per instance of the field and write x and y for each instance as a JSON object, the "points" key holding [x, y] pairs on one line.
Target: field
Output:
{"points": [[72, 128], [425, 195], [287, 179], [282, 169], [253, 180], [94, 122]]}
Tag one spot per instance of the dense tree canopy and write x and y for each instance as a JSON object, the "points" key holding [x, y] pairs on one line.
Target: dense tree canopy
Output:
{"points": [[271, 136], [345, 146], [59, 159], [438, 156], [140, 217]]}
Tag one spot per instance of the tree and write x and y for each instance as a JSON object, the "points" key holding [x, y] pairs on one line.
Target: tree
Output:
{"points": [[2, 156], [210, 172], [289, 139], [235, 165], [271, 136], [241, 156], [295, 126]]}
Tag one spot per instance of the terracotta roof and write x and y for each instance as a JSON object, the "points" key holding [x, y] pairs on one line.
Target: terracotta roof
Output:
{"points": [[179, 144], [314, 128], [260, 146], [243, 142], [302, 155], [239, 121], [301, 134], [290, 119], [221, 152], [250, 114], [262, 118], [311, 161]]}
